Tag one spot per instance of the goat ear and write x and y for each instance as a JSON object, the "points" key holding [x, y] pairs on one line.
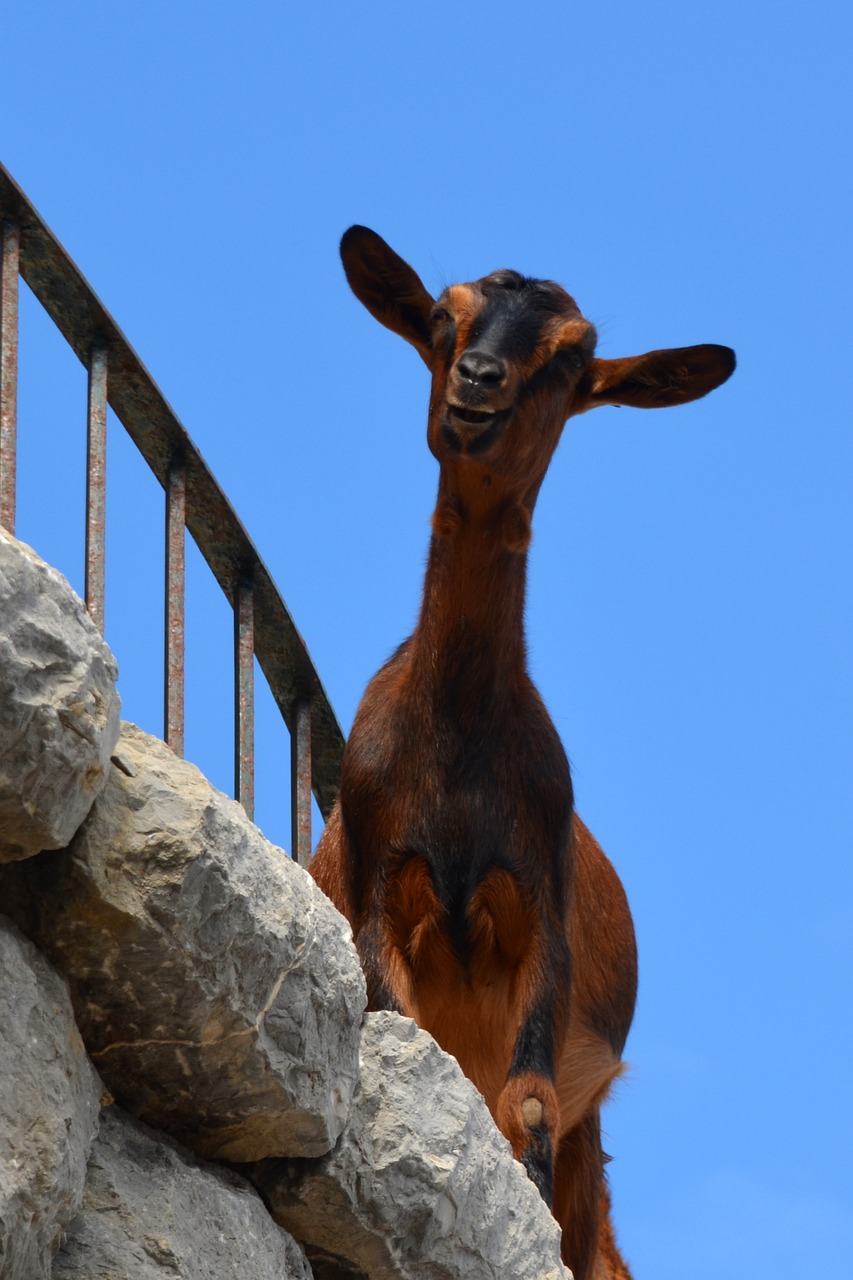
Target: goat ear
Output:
{"points": [[658, 378], [388, 287]]}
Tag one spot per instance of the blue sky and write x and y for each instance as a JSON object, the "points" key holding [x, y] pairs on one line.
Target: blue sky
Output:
{"points": [[684, 171]]}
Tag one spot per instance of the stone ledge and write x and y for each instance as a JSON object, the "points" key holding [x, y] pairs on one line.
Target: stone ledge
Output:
{"points": [[420, 1184], [49, 1104], [216, 988], [59, 709], [151, 1211]]}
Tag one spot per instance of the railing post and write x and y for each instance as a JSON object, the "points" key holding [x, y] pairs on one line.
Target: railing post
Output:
{"points": [[244, 694], [300, 781], [96, 483], [10, 249], [176, 512], [116, 376]]}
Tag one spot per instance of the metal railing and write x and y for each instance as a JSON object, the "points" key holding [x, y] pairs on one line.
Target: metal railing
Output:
{"points": [[263, 627]]}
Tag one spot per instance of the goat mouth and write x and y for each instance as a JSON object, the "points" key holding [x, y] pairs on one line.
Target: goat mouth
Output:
{"points": [[472, 431], [461, 416]]}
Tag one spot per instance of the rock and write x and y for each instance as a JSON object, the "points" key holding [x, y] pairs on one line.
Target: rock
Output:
{"points": [[421, 1184], [151, 1211], [215, 986], [49, 1103], [59, 709]]}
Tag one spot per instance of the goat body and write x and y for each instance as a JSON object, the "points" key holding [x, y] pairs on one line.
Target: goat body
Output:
{"points": [[480, 904]]}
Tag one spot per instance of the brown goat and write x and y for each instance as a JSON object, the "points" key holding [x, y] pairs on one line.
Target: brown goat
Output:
{"points": [[480, 904]]}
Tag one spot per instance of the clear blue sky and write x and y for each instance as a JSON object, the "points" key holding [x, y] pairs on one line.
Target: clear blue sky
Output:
{"points": [[684, 170]]}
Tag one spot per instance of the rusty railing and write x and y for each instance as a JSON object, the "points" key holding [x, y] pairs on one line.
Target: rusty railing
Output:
{"points": [[263, 628]]}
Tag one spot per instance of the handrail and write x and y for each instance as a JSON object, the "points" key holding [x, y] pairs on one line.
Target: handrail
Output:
{"points": [[194, 500]]}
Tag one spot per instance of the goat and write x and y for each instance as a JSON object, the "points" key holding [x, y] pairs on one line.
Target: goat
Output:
{"points": [[481, 906]]}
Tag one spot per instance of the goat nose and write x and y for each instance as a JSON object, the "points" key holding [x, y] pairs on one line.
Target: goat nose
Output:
{"points": [[479, 366]]}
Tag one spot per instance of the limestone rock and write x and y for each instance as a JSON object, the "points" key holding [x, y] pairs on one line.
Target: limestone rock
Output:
{"points": [[59, 709], [421, 1185], [216, 988], [49, 1103], [152, 1212]]}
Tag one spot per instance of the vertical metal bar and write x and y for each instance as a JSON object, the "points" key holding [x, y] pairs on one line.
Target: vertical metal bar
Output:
{"points": [[300, 781], [244, 694], [176, 509], [96, 483], [10, 250]]}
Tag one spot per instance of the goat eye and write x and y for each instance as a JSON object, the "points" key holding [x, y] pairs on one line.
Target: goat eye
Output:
{"points": [[440, 316], [576, 359]]}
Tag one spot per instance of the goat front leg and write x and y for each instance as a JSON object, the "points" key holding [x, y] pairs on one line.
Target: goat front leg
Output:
{"points": [[528, 1112], [372, 946]]}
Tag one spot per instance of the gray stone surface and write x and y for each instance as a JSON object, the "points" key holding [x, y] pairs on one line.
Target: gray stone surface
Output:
{"points": [[59, 709], [216, 988], [151, 1211], [421, 1185], [49, 1102]]}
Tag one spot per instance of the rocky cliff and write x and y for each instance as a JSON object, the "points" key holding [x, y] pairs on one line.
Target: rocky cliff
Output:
{"points": [[189, 1084]]}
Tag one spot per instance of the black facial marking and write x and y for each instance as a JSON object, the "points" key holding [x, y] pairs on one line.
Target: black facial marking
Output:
{"points": [[516, 312]]}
